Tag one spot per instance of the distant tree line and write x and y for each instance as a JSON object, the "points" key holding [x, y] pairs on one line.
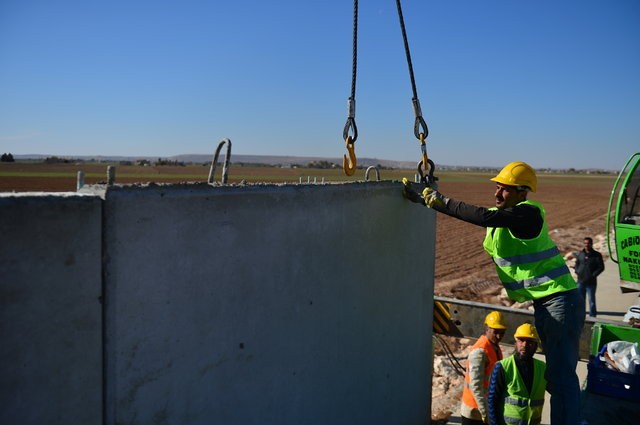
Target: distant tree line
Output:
{"points": [[161, 161], [7, 157], [57, 160], [324, 165]]}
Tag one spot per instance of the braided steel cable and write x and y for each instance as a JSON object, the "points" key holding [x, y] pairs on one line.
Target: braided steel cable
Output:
{"points": [[420, 124], [351, 108]]}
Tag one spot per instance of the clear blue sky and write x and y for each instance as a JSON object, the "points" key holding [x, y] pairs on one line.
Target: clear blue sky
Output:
{"points": [[551, 82]]}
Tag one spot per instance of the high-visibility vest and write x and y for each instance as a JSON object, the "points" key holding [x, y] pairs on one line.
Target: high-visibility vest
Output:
{"points": [[492, 358], [529, 269], [520, 406]]}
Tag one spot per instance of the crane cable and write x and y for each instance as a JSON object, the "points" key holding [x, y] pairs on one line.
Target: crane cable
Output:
{"points": [[426, 166], [349, 165], [420, 129]]}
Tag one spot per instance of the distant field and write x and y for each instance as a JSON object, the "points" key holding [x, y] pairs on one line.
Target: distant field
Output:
{"points": [[32, 176], [62, 177]]}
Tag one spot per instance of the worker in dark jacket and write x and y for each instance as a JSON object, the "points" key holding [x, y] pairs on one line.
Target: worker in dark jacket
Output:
{"points": [[530, 268], [588, 266], [517, 384]]}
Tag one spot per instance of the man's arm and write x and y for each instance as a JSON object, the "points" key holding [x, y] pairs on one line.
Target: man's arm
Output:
{"points": [[524, 221], [495, 400], [600, 264], [477, 363]]}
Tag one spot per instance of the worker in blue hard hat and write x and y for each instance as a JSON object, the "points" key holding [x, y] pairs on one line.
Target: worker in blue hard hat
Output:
{"points": [[530, 268]]}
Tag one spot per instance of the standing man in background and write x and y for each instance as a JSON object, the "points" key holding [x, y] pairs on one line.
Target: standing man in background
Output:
{"points": [[530, 267], [589, 265], [483, 356]]}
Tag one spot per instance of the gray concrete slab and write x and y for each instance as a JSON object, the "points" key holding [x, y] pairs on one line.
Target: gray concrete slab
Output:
{"points": [[50, 310], [259, 304]]}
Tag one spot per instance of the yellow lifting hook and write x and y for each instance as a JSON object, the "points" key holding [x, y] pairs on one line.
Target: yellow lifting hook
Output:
{"points": [[425, 160], [350, 164]]}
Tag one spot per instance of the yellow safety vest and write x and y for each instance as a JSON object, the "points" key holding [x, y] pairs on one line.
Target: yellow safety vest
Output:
{"points": [[529, 269], [520, 406]]}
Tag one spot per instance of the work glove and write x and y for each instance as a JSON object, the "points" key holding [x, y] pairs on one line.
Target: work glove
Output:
{"points": [[410, 193], [434, 199]]}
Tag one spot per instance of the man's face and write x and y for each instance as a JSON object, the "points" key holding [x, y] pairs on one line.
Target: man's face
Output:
{"points": [[508, 196], [588, 245], [495, 335], [526, 348]]}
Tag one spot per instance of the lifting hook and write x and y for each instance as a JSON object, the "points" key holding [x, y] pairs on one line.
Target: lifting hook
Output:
{"points": [[350, 164], [428, 178]]}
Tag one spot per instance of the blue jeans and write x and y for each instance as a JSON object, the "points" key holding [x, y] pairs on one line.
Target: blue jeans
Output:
{"points": [[589, 289], [559, 322]]}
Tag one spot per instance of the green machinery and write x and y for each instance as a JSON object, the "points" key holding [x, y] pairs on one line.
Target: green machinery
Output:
{"points": [[626, 224]]}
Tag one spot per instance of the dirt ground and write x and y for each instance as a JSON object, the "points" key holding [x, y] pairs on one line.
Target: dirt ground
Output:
{"points": [[465, 271]]}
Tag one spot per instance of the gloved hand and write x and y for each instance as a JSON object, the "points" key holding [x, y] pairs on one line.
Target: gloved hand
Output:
{"points": [[410, 193], [433, 198]]}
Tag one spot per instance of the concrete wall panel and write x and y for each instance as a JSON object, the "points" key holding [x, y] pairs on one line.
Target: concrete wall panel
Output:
{"points": [[264, 304], [50, 311]]}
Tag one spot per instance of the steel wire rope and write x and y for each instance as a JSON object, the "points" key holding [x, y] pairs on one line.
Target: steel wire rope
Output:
{"points": [[416, 103], [349, 165], [351, 113], [420, 129]]}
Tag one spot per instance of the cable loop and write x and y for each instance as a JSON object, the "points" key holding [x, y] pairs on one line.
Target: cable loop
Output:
{"points": [[350, 125], [420, 128]]}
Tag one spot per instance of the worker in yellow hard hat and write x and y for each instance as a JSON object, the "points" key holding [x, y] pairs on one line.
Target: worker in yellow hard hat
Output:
{"points": [[530, 268], [483, 355], [518, 384]]}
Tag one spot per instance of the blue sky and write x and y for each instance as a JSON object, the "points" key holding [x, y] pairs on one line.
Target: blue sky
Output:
{"points": [[552, 83]]}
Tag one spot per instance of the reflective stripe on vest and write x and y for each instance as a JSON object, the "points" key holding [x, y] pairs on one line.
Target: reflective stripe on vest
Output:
{"points": [[529, 269], [538, 280], [523, 402], [527, 258]]}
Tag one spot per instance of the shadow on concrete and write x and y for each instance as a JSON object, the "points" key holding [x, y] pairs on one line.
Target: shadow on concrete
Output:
{"points": [[611, 313]]}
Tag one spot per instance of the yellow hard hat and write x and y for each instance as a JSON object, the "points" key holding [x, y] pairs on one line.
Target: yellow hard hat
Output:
{"points": [[495, 320], [517, 174], [526, 330]]}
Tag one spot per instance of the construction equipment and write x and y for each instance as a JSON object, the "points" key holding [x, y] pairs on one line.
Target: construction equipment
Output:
{"points": [[626, 224]]}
